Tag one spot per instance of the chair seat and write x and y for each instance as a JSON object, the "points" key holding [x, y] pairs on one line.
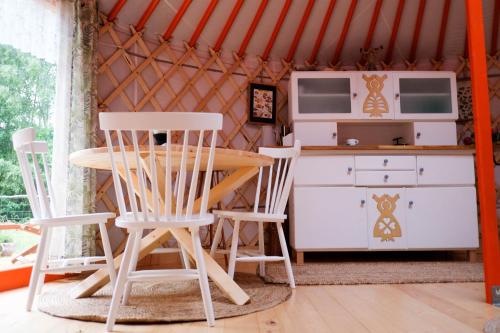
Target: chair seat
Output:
{"points": [[128, 221], [251, 216]]}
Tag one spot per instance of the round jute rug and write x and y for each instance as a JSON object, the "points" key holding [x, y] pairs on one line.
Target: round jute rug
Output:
{"points": [[161, 302]]}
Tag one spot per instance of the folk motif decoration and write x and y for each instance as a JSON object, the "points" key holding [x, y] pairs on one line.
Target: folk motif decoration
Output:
{"points": [[375, 103], [387, 226]]}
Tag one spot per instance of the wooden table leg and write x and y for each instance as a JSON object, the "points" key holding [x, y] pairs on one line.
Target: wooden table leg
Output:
{"points": [[97, 280]]}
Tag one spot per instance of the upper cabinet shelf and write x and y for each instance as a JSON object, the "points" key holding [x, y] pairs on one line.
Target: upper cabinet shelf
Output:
{"points": [[377, 95]]}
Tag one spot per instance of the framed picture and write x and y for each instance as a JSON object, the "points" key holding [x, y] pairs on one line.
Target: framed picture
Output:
{"points": [[262, 103]]}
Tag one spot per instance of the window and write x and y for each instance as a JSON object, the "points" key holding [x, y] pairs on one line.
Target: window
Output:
{"points": [[28, 57]]}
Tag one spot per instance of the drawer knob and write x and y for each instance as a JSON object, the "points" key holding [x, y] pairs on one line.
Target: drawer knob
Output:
{"points": [[349, 169], [386, 161], [421, 171], [363, 202], [386, 177], [419, 135], [334, 135], [410, 204]]}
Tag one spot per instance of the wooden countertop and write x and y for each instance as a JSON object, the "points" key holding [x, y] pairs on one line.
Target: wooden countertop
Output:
{"points": [[389, 149]]}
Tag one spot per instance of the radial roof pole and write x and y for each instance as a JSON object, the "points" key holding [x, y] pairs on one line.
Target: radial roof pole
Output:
{"points": [[484, 147]]}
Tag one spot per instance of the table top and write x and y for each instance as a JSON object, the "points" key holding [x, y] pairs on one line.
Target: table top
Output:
{"points": [[225, 159]]}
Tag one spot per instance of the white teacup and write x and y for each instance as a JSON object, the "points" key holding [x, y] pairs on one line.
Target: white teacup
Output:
{"points": [[352, 142]]}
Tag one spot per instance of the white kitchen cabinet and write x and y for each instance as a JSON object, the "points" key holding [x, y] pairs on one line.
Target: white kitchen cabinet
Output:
{"points": [[316, 133], [375, 97], [434, 134], [386, 218], [321, 95], [441, 217], [329, 218], [425, 95]]}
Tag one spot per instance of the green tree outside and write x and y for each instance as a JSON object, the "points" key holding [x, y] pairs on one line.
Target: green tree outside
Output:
{"points": [[27, 90]]}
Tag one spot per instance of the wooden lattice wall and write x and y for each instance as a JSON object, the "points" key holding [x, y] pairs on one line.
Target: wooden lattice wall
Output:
{"points": [[136, 74]]}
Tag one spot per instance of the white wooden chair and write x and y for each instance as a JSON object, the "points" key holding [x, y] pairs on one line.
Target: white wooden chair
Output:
{"points": [[36, 177], [166, 189], [279, 182]]}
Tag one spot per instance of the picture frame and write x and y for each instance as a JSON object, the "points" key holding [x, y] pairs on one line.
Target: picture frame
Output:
{"points": [[262, 103]]}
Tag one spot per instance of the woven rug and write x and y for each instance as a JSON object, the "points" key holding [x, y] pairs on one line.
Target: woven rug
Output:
{"points": [[161, 302], [377, 272]]}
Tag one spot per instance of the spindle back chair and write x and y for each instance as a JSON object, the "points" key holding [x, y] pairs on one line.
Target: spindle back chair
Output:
{"points": [[35, 172], [279, 178], [161, 187]]}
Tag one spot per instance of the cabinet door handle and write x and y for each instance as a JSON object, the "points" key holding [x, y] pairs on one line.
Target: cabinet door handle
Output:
{"points": [[334, 135], [354, 95], [419, 135], [421, 171], [410, 204], [363, 202], [386, 161], [349, 169], [386, 178], [397, 95]]}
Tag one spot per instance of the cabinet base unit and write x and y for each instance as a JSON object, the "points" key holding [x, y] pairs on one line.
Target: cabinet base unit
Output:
{"points": [[384, 199]]}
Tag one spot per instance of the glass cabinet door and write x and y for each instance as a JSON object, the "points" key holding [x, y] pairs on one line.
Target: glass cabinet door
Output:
{"points": [[328, 96], [426, 97]]}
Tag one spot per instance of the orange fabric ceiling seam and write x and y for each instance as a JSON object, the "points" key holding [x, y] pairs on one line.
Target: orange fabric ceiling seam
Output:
{"points": [[345, 30], [494, 28], [484, 147], [373, 24], [251, 29], [394, 32], [276, 30], [442, 30], [147, 14], [116, 9], [416, 31], [228, 25], [203, 22], [321, 33], [300, 30], [177, 18]]}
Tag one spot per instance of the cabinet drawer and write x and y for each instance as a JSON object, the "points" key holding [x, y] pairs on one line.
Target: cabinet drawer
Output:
{"points": [[445, 170], [385, 162], [316, 133], [324, 170], [385, 178]]}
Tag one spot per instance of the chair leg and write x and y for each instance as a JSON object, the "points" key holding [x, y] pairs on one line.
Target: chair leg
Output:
{"points": [[284, 250], [234, 249], [121, 279], [262, 267], [108, 253], [35, 272], [216, 240], [184, 257], [45, 258], [202, 276], [133, 264]]}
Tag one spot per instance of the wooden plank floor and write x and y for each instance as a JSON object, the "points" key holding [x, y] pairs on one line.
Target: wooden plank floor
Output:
{"points": [[450, 307]]}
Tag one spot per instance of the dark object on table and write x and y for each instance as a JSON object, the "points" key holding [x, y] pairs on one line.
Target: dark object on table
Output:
{"points": [[160, 138], [397, 141]]}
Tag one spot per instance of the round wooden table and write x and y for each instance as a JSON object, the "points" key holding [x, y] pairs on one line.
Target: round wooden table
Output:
{"points": [[243, 164]]}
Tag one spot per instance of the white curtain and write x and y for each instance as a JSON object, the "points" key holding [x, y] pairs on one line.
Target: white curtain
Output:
{"points": [[65, 18]]}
